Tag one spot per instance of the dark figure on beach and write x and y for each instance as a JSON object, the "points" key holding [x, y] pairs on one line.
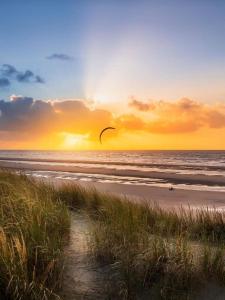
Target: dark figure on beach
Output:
{"points": [[171, 188]]}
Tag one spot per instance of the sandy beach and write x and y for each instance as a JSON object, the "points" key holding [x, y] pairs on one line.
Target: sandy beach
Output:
{"points": [[54, 166], [161, 195]]}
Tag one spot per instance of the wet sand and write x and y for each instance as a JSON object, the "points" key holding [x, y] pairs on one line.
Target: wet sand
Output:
{"points": [[163, 196], [172, 177]]}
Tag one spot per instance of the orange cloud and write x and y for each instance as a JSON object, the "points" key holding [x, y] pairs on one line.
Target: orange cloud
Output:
{"points": [[29, 123], [142, 106], [26, 115], [182, 116], [130, 122]]}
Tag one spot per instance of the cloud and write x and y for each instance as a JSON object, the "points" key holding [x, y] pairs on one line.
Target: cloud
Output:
{"points": [[142, 106], [26, 119], [9, 72], [60, 56], [24, 114], [39, 79], [182, 116], [130, 122], [4, 82]]}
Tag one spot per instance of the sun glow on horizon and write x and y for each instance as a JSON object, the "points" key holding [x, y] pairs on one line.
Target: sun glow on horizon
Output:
{"points": [[73, 141]]}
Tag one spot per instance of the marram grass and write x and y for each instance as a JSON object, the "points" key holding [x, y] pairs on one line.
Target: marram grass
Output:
{"points": [[152, 253], [33, 227]]}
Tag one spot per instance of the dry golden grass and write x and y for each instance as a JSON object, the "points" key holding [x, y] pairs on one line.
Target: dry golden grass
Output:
{"points": [[157, 253], [153, 253], [33, 227]]}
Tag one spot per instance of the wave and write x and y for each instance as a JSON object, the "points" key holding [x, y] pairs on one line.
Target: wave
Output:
{"points": [[174, 165]]}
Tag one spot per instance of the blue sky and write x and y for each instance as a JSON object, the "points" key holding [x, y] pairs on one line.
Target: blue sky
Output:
{"points": [[148, 49]]}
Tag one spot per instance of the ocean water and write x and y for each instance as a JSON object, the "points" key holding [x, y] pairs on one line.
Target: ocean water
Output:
{"points": [[191, 164]]}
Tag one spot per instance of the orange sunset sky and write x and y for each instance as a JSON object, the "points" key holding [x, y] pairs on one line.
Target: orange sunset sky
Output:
{"points": [[75, 124], [154, 70]]}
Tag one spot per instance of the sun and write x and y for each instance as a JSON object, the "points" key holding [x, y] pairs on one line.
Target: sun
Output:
{"points": [[70, 140]]}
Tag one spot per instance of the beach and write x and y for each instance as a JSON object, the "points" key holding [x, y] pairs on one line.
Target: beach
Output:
{"points": [[137, 183], [163, 196], [103, 241]]}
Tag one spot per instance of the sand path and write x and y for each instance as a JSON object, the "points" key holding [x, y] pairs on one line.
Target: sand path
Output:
{"points": [[83, 278]]}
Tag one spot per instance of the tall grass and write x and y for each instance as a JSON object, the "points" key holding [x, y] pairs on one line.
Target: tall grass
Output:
{"points": [[199, 224], [171, 267], [33, 226], [153, 253]]}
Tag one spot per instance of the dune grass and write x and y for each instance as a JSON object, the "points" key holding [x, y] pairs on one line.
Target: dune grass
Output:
{"points": [[199, 224], [157, 253], [33, 227], [153, 253]]}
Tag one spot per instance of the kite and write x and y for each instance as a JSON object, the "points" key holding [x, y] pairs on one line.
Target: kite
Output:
{"points": [[100, 136]]}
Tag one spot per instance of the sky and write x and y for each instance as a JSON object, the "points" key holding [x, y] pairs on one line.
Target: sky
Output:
{"points": [[154, 70]]}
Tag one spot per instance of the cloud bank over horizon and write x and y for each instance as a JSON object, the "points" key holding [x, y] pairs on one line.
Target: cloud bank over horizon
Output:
{"points": [[23, 118], [24, 115]]}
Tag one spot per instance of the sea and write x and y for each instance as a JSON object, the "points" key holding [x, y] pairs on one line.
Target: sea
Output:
{"points": [[196, 170]]}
